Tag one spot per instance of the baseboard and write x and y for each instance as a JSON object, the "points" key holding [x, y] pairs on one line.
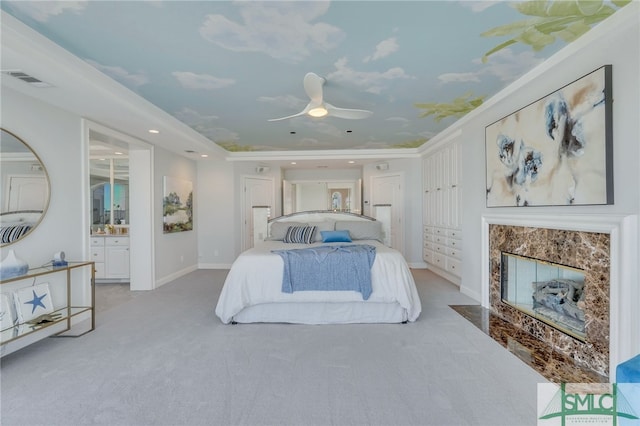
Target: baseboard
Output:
{"points": [[444, 274], [418, 265], [472, 294], [175, 275], [214, 265]]}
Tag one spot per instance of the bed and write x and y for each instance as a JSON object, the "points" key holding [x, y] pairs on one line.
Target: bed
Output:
{"points": [[254, 290]]}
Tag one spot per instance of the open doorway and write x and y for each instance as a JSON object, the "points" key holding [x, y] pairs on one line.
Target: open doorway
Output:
{"points": [[119, 205]]}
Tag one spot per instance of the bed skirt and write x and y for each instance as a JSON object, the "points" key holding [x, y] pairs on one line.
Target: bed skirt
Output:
{"points": [[322, 313]]}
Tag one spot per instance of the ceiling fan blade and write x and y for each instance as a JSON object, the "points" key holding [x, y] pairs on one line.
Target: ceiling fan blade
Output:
{"points": [[306, 109], [313, 86], [289, 116], [347, 113]]}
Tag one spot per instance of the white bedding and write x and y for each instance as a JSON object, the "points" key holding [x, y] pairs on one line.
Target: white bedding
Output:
{"points": [[254, 284]]}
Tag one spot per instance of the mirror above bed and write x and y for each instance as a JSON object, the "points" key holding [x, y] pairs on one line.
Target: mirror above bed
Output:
{"points": [[24, 195], [338, 196]]}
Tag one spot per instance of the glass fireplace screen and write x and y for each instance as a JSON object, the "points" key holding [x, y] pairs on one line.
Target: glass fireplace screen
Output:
{"points": [[547, 291]]}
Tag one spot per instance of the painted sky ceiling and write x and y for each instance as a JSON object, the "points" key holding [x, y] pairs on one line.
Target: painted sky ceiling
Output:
{"points": [[225, 68]]}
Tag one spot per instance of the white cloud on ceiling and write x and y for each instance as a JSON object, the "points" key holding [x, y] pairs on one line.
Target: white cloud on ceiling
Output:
{"points": [[205, 124], [508, 66], [43, 10], [191, 80], [120, 74], [282, 30], [286, 101], [503, 64], [371, 81], [324, 127], [403, 121], [383, 49], [478, 5]]}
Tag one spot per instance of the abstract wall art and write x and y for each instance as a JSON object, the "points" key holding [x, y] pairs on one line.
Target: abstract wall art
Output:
{"points": [[555, 151]]}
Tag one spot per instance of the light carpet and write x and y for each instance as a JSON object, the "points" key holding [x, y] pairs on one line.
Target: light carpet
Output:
{"points": [[164, 358]]}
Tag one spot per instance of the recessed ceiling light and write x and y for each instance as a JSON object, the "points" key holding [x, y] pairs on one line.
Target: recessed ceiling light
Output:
{"points": [[294, 163], [204, 155], [117, 153], [351, 162], [154, 131]]}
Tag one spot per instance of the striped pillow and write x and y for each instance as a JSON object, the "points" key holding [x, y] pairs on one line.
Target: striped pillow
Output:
{"points": [[9, 234], [300, 234]]}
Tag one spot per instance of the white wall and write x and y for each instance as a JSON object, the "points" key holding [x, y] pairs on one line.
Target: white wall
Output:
{"points": [[216, 220], [55, 136], [616, 43], [176, 253], [411, 168]]}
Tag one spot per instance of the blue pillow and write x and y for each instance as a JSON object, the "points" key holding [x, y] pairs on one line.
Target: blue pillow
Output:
{"points": [[335, 236]]}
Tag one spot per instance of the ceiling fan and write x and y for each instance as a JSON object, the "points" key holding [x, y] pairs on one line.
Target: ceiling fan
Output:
{"points": [[317, 107]]}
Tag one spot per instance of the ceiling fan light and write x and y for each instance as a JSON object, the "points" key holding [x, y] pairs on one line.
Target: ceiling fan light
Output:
{"points": [[318, 112]]}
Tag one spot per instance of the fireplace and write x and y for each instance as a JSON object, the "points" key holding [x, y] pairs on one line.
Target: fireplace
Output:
{"points": [[544, 269], [546, 291]]}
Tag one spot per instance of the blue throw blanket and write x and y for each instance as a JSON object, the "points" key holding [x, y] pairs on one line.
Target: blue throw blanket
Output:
{"points": [[331, 268]]}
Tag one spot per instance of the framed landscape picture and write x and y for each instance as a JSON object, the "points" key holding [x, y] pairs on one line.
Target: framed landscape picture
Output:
{"points": [[177, 205], [556, 151]]}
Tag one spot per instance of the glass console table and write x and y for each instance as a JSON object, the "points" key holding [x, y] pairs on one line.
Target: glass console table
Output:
{"points": [[74, 304]]}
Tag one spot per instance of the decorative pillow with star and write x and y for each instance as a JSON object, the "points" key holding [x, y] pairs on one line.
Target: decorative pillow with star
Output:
{"points": [[31, 302]]}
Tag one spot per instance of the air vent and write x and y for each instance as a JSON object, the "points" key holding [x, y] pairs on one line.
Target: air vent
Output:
{"points": [[28, 78]]}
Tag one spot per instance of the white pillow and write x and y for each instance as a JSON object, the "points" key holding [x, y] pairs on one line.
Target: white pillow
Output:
{"points": [[361, 230], [278, 230], [325, 225]]}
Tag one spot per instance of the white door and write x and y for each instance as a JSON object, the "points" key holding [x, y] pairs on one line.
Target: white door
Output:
{"points": [[27, 193], [257, 191], [389, 189]]}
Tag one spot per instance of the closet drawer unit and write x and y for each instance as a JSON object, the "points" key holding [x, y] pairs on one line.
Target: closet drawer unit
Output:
{"points": [[117, 241], [440, 239], [439, 260], [97, 254], [452, 252], [439, 248], [454, 233], [427, 255], [454, 266]]}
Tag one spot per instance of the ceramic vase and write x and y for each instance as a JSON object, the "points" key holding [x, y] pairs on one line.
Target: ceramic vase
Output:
{"points": [[12, 266]]}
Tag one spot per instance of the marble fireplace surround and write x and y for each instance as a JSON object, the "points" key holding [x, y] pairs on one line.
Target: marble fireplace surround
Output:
{"points": [[606, 245]]}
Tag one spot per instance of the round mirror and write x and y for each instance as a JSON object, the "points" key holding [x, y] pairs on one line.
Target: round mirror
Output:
{"points": [[24, 194]]}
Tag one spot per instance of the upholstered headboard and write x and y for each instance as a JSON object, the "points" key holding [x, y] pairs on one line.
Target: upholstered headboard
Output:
{"points": [[262, 223]]}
